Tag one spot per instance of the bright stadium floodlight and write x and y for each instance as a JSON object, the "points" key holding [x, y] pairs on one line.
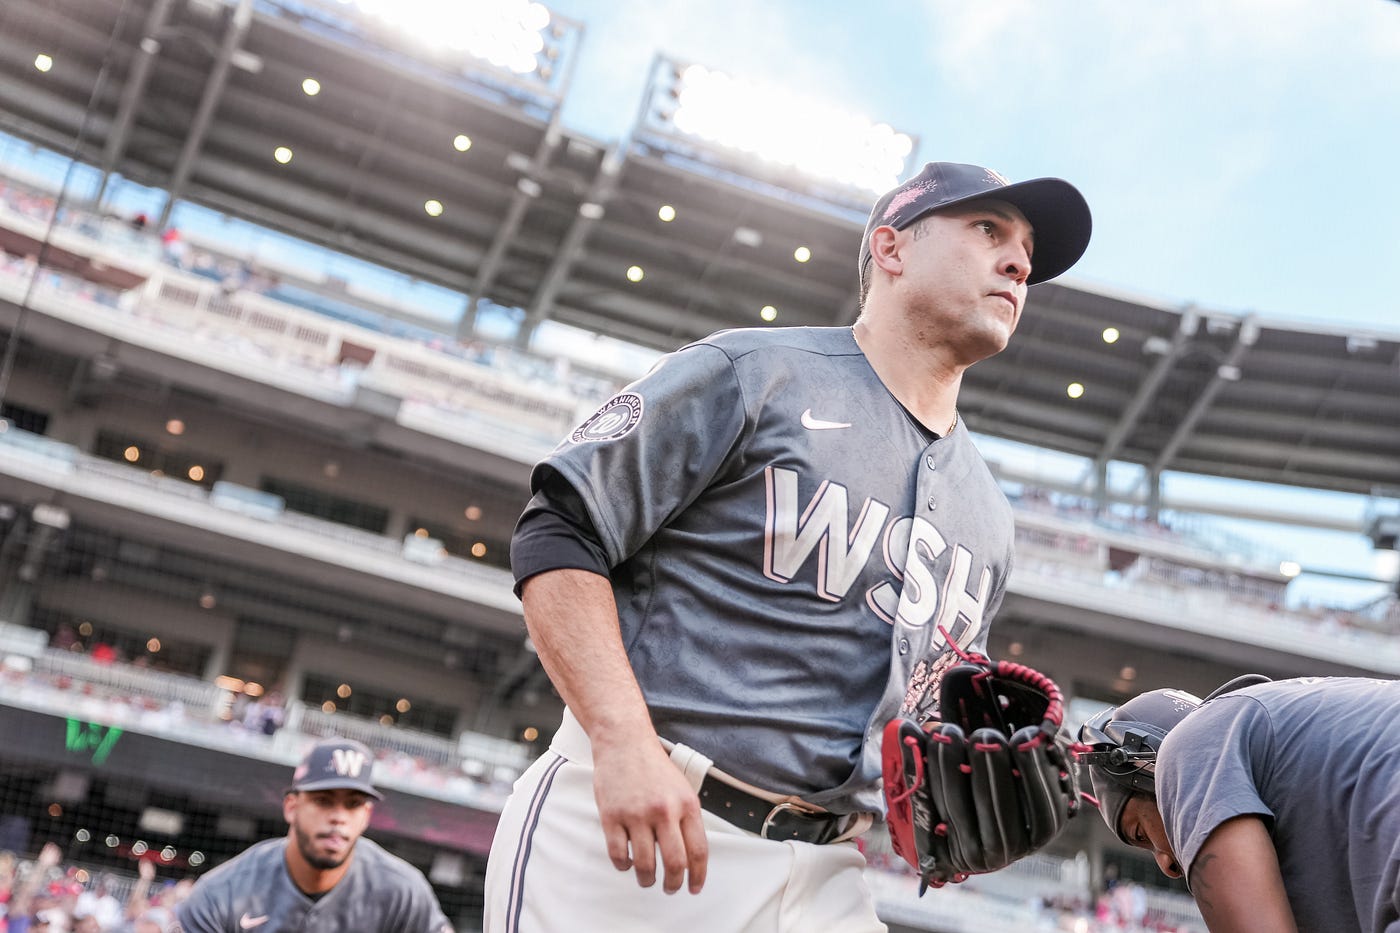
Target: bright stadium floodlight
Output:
{"points": [[509, 34], [779, 126]]}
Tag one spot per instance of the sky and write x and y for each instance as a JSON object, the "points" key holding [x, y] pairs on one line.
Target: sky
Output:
{"points": [[1237, 154]]}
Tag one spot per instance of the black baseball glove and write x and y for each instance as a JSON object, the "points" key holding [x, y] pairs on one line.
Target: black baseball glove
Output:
{"points": [[987, 785]]}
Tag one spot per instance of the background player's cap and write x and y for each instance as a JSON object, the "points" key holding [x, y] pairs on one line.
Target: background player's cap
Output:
{"points": [[1055, 208], [337, 763]]}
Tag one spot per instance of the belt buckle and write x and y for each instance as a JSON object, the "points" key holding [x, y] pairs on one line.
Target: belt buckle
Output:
{"points": [[773, 813]]}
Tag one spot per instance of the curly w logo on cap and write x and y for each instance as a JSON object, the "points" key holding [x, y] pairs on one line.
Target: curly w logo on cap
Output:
{"points": [[336, 763]]}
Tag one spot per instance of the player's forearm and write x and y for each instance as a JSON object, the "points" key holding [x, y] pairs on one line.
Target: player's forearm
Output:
{"points": [[1236, 882], [572, 619]]}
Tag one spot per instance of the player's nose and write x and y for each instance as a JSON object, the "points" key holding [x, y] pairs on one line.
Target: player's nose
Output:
{"points": [[1016, 263], [1167, 862]]}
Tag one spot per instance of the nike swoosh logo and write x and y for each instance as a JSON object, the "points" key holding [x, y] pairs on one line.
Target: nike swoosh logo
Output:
{"points": [[816, 424], [246, 922]]}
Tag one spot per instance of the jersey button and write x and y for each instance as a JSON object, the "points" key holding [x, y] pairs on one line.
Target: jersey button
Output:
{"points": [[904, 646], [932, 503], [929, 461]]}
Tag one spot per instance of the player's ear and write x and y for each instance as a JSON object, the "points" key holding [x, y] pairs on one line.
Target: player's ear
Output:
{"points": [[884, 250], [289, 805]]}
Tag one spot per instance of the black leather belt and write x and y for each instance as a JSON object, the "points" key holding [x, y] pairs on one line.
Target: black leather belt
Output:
{"points": [[781, 821]]}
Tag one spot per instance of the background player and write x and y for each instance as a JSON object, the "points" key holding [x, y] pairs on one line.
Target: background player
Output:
{"points": [[322, 875], [754, 551], [1279, 802]]}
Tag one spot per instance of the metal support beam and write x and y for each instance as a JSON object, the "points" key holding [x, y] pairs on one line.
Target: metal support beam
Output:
{"points": [[1146, 392], [208, 103], [1226, 372], [600, 192], [1154, 494], [132, 93], [527, 188]]}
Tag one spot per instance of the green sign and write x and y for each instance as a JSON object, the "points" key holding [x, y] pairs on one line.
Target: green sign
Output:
{"points": [[91, 737]]}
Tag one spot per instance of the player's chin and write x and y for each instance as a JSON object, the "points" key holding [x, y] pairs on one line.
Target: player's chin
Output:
{"points": [[326, 855], [989, 341], [327, 861]]}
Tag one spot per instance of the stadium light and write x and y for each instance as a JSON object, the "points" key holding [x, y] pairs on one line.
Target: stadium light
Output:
{"points": [[310, 87], [779, 126], [461, 142], [666, 212], [509, 34], [43, 62]]}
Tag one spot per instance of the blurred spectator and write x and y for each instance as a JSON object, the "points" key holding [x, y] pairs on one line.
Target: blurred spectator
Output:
{"points": [[99, 904], [65, 637], [266, 715], [176, 250], [155, 920], [27, 909]]}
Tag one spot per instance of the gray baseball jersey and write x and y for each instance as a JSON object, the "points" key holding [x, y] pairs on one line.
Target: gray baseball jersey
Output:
{"points": [[1319, 760], [786, 543], [380, 893]]}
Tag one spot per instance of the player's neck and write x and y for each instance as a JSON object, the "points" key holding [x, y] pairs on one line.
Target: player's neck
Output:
{"points": [[924, 384], [308, 878]]}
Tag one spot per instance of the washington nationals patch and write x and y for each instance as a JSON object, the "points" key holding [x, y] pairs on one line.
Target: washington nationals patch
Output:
{"points": [[615, 419]]}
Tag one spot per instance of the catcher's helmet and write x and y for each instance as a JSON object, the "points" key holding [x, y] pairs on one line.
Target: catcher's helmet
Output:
{"points": [[1125, 741]]}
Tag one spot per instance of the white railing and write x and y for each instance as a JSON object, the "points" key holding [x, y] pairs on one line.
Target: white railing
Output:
{"points": [[248, 514], [196, 696], [472, 769]]}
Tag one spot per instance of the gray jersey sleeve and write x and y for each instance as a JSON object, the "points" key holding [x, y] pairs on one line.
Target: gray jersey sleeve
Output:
{"points": [[645, 455], [1206, 773]]}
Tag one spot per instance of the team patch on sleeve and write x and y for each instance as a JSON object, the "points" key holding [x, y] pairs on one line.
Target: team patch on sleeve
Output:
{"points": [[615, 419]]}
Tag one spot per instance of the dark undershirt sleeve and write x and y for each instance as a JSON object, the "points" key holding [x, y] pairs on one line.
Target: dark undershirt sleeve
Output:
{"points": [[555, 532]]}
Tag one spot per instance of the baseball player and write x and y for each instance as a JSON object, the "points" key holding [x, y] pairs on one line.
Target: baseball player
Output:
{"points": [[1279, 802], [322, 876], [744, 563]]}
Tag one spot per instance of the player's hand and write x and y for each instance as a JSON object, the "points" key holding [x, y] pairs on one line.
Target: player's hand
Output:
{"points": [[647, 805]]}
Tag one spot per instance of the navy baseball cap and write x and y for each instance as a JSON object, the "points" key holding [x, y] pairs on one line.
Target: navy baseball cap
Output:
{"points": [[333, 764], [1055, 208]]}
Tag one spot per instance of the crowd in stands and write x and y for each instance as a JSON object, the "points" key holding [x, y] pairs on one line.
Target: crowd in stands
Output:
{"points": [[1013, 899], [266, 724], [43, 896], [236, 274]]}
